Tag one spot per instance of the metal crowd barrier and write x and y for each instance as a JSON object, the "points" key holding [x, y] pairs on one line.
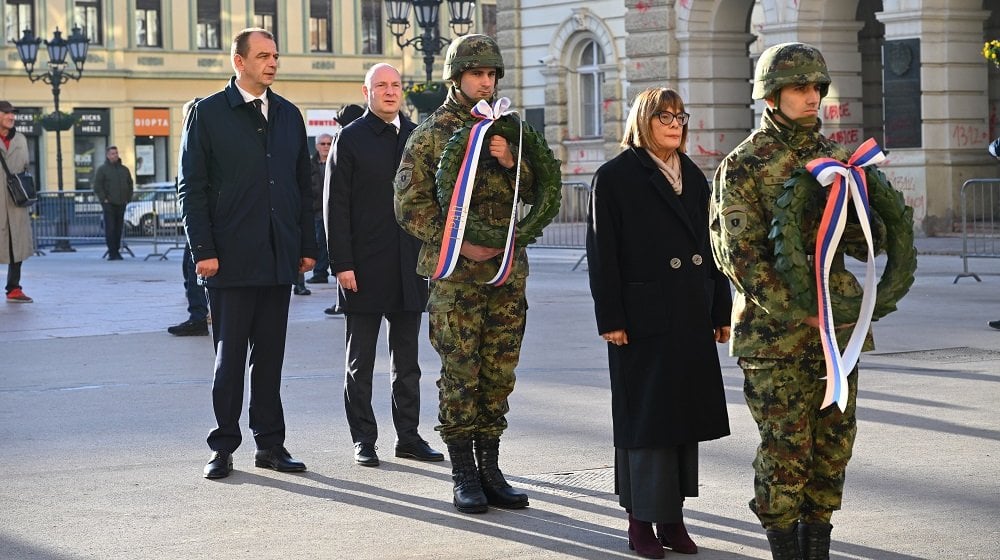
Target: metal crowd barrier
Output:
{"points": [[569, 229], [153, 218], [980, 201], [60, 219]]}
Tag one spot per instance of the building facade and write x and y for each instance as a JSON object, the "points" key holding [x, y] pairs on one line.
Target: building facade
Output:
{"points": [[909, 73], [148, 57]]}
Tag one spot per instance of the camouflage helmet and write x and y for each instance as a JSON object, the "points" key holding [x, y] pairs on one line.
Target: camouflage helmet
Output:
{"points": [[472, 51], [789, 64]]}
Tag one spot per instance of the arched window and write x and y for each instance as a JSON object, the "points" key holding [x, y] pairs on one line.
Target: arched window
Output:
{"points": [[591, 82]]}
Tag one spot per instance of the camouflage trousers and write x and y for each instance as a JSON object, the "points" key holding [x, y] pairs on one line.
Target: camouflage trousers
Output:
{"points": [[802, 458], [477, 331]]}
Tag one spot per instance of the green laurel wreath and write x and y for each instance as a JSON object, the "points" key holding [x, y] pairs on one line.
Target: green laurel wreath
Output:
{"points": [[548, 184], [801, 202]]}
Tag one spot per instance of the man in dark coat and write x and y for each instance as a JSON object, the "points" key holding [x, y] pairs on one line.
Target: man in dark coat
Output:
{"points": [[375, 263], [113, 187], [247, 205]]}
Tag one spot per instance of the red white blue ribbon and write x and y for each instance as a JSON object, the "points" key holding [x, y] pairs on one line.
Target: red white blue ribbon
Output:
{"points": [[458, 208], [847, 182]]}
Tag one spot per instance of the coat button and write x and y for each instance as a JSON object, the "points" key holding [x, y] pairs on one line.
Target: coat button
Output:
{"points": [[696, 259], [675, 263]]}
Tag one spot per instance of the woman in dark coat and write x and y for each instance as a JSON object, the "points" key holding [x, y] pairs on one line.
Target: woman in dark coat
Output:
{"points": [[661, 305]]}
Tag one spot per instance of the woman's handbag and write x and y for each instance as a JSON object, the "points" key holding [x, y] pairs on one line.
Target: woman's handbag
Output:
{"points": [[21, 186]]}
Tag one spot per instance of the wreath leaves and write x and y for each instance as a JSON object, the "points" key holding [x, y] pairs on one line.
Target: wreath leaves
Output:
{"points": [[548, 184], [800, 204]]}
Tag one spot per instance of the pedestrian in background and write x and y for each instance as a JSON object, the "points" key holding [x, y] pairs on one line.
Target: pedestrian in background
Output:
{"points": [[375, 262], [345, 116], [113, 187], [321, 272], [194, 292], [661, 306], [476, 327], [16, 242], [801, 462], [246, 200]]}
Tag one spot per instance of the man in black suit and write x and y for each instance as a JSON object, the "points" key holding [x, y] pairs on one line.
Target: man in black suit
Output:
{"points": [[375, 262], [244, 189]]}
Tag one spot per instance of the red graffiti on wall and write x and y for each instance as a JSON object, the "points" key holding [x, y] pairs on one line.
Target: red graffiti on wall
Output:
{"points": [[836, 111], [965, 136], [848, 136]]}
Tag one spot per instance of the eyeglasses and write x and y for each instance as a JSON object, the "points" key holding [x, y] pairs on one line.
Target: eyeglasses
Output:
{"points": [[325, 143], [666, 117]]}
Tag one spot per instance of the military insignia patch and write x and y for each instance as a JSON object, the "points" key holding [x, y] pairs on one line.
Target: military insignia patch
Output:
{"points": [[403, 175], [735, 219]]}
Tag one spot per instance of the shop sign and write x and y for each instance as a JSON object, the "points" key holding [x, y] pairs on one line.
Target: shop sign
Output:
{"points": [[151, 122], [92, 122], [321, 121], [26, 121]]}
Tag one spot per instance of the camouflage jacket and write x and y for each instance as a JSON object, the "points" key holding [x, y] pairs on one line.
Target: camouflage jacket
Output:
{"points": [[420, 213], [766, 323]]}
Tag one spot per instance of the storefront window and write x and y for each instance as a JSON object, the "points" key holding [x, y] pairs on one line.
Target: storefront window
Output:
{"points": [[90, 141], [152, 131]]}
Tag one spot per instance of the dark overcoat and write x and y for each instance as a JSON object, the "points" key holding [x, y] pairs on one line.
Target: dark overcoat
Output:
{"points": [[244, 189], [653, 275], [363, 233]]}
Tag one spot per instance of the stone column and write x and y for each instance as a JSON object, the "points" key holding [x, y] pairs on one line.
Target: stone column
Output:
{"points": [[509, 38], [712, 80], [650, 46]]}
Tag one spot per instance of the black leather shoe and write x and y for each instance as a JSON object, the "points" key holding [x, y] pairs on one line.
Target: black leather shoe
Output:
{"points": [[333, 310], [364, 454], [277, 458], [418, 450], [219, 465], [994, 324], [190, 328], [318, 279], [302, 291]]}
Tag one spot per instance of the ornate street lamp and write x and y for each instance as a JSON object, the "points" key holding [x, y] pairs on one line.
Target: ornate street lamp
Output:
{"points": [[429, 42], [56, 76]]}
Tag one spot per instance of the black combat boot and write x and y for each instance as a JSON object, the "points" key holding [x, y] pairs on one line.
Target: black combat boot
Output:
{"points": [[784, 544], [469, 497], [498, 492], [814, 540]]}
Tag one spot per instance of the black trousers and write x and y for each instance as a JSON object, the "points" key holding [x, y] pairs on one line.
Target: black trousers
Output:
{"points": [[253, 319], [114, 222], [362, 338], [13, 269]]}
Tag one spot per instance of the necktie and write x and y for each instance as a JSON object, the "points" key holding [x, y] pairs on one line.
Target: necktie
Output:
{"points": [[392, 129], [258, 109]]}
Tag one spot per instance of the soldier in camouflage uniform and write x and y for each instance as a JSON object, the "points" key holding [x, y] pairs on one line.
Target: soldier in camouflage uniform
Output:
{"points": [[803, 454], [475, 327]]}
